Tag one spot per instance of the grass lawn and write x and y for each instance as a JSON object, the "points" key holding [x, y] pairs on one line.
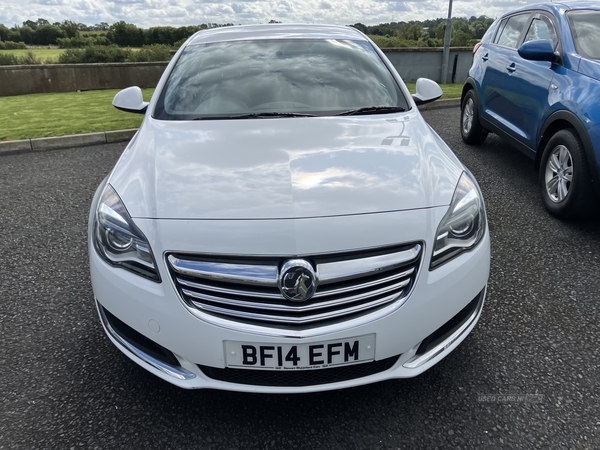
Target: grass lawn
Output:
{"points": [[45, 54], [43, 115], [450, 90]]}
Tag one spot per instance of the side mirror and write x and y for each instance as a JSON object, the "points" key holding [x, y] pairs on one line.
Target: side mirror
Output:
{"points": [[130, 100], [427, 91], [539, 50]]}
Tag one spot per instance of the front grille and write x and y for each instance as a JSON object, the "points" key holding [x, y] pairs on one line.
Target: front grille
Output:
{"points": [[246, 289], [298, 378]]}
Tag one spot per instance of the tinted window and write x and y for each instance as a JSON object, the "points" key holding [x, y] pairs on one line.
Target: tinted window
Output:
{"points": [[320, 77], [585, 26], [509, 35], [541, 29]]}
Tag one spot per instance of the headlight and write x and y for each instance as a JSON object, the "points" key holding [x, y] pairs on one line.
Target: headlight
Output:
{"points": [[118, 241], [463, 226]]}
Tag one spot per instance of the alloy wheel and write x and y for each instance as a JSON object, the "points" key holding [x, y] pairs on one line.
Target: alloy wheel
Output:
{"points": [[467, 118], [559, 173]]}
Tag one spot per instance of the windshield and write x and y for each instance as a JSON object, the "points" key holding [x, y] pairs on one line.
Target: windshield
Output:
{"points": [[271, 78], [585, 26]]}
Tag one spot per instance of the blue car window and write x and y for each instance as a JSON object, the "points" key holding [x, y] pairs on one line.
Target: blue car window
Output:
{"points": [[491, 31], [541, 29], [585, 27], [509, 36]]}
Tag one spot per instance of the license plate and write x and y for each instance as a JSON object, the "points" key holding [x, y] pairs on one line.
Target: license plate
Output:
{"points": [[316, 355]]}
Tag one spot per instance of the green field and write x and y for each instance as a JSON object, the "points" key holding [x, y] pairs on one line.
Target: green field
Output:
{"points": [[44, 115], [45, 54]]}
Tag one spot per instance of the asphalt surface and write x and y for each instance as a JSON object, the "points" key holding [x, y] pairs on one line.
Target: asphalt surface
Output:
{"points": [[527, 377]]}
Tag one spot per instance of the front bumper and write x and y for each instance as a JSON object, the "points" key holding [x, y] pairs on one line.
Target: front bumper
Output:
{"points": [[447, 300], [161, 359]]}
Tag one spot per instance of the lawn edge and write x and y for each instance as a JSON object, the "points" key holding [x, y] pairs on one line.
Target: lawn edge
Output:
{"points": [[70, 141]]}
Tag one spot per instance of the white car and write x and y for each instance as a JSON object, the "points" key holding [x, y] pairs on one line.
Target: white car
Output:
{"points": [[284, 220]]}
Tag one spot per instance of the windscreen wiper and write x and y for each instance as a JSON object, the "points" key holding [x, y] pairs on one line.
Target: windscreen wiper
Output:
{"points": [[372, 110], [257, 115]]}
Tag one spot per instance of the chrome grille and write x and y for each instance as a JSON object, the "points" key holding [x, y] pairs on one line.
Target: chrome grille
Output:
{"points": [[246, 289]]}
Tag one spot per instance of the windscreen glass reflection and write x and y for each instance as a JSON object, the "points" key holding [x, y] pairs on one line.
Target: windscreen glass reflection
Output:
{"points": [[313, 77]]}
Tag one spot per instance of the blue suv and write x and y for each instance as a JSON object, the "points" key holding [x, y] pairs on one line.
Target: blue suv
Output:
{"points": [[535, 81]]}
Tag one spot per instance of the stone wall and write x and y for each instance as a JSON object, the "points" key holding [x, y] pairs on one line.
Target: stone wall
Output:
{"points": [[44, 78], [411, 63], [426, 62]]}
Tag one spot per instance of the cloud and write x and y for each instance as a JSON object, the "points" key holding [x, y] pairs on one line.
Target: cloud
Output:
{"points": [[400, 7], [146, 13], [52, 2]]}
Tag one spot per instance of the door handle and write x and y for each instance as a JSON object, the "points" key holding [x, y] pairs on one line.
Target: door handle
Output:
{"points": [[511, 67], [485, 57]]}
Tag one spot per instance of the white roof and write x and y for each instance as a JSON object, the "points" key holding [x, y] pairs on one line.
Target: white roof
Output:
{"points": [[276, 31]]}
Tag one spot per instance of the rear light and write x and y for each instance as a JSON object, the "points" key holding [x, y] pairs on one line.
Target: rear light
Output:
{"points": [[476, 48]]}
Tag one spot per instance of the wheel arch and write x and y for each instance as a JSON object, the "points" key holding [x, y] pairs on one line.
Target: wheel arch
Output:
{"points": [[469, 84], [561, 120]]}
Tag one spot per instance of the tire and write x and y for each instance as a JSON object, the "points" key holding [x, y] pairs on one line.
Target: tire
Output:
{"points": [[564, 177], [471, 131]]}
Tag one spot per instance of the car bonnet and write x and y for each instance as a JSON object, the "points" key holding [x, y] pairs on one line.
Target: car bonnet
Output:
{"points": [[281, 168]]}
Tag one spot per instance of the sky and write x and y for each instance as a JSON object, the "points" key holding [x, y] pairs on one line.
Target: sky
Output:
{"points": [[148, 13]]}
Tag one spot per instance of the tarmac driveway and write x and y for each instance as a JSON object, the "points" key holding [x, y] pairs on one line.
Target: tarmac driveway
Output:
{"points": [[526, 377]]}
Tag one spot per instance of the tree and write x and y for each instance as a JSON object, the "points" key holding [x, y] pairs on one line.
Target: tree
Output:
{"points": [[477, 29], [412, 31], [31, 24], [460, 38], [69, 28], [439, 30], [359, 26], [26, 34], [185, 32], [460, 24], [428, 32], [125, 34], [4, 33], [47, 35]]}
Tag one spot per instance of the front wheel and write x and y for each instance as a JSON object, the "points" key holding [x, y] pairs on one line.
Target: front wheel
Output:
{"points": [[565, 177], [471, 130]]}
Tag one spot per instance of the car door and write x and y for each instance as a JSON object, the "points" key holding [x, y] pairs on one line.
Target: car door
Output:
{"points": [[529, 82], [499, 105]]}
